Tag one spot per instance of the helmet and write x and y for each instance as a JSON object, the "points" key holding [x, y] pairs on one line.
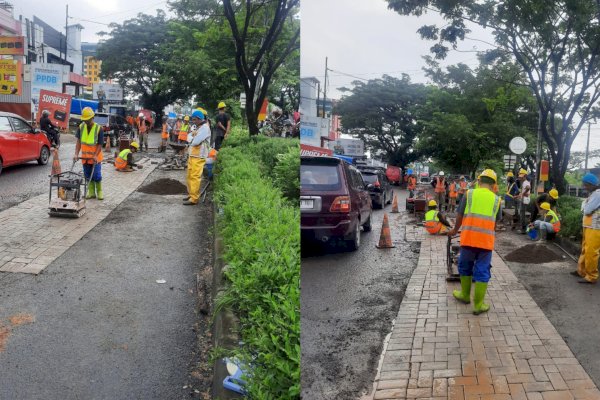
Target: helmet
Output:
{"points": [[87, 114], [489, 173], [141, 115], [198, 114], [135, 145], [545, 206], [186, 118], [462, 177], [590, 179], [441, 173], [432, 203], [522, 172], [203, 111], [553, 193], [509, 174], [45, 112], [221, 105]]}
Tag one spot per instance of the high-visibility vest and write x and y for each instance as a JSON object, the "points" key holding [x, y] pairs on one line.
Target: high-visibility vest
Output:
{"points": [[479, 220], [555, 221], [183, 132], [143, 128], [121, 161], [452, 190], [412, 183], [165, 131], [463, 187], [89, 143], [439, 186], [592, 221], [432, 222], [510, 189]]}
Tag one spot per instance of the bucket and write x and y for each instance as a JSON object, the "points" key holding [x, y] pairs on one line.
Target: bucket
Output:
{"points": [[533, 234]]}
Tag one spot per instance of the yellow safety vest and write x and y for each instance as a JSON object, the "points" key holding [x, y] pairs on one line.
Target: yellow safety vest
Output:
{"points": [[479, 220], [432, 222], [89, 143]]}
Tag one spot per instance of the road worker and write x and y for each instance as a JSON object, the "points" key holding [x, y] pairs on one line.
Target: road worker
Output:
{"points": [[462, 189], [435, 222], [412, 185], [477, 215], [90, 139], [164, 135], [223, 125], [198, 151], [124, 161], [184, 129], [551, 198], [523, 199], [143, 131], [439, 185], [511, 191], [587, 268], [452, 195], [549, 225]]}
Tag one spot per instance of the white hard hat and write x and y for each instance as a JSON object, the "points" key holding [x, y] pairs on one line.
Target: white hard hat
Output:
{"points": [[141, 115], [441, 173]]}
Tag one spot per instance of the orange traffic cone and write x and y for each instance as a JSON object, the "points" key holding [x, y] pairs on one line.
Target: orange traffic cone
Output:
{"points": [[385, 240], [55, 162], [395, 204]]}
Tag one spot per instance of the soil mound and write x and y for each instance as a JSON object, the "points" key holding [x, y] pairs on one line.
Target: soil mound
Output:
{"points": [[165, 186], [533, 254]]}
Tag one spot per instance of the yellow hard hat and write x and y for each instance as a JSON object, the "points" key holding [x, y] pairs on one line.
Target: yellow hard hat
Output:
{"points": [[135, 145], [509, 174], [202, 110], [221, 105], [186, 118], [553, 193], [545, 206], [489, 173], [87, 114], [432, 203], [522, 172]]}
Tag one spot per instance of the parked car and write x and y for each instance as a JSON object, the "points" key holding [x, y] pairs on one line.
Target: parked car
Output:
{"points": [[394, 175], [378, 185], [113, 124], [334, 201], [20, 143]]}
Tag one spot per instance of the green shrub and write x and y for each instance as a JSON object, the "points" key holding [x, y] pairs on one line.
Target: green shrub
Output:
{"points": [[287, 173], [569, 209], [261, 233]]}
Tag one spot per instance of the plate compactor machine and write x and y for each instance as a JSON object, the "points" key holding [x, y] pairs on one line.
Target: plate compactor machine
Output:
{"points": [[67, 194]]}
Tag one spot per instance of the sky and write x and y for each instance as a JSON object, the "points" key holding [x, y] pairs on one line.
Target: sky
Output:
{"points": [[101, 12], [365, 39]]}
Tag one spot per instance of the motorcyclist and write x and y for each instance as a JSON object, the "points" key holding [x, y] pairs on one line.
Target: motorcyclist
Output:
{"points": [[51, 132]]}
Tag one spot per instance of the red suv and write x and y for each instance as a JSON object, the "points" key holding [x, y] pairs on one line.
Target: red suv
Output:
{"points": [[20, 143], [334, 201]]}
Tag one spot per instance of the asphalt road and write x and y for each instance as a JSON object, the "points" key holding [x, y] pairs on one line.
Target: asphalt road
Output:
{"points": [[348, 301], [96, 324], [570, 306]]}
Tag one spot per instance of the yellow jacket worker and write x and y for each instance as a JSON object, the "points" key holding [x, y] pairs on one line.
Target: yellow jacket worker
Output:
{"points": [[587, 267], [198, 152]]}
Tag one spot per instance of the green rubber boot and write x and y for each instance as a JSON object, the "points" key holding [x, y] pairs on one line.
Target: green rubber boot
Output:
{"points": [[479, 294], [99, 191], [91, 193], [464, 295]]}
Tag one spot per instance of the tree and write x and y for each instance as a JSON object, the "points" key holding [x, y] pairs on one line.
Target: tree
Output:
{"points": [[556, 44], [383, 113], [133, 55]]}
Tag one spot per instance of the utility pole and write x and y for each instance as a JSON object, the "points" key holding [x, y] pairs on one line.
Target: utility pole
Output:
{"points": [[538, 152], [66, 33], [587, 149], [325, 88], [318, 96]]}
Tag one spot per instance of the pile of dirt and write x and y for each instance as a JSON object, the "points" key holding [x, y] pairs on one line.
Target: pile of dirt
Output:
{"points": [[165, 186], [533, 254]]}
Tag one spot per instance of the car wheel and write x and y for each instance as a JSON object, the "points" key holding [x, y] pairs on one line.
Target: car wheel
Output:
{"points": [[367, 225], [390, 198], [354, 242], [44, 156]]}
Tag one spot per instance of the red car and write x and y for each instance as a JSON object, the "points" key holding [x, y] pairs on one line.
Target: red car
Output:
{"points": [[20, 143], [334, 201]]}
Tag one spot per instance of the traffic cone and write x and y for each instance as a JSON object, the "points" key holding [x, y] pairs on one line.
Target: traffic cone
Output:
{"points": [[395, 204], [55, 162], [385, 239]]}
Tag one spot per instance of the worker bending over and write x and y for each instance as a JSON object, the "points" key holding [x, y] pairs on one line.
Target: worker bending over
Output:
{"points": [[198, 152], [124, 161], [477, 214], [435, 222], [587, 268], [549, 225]]}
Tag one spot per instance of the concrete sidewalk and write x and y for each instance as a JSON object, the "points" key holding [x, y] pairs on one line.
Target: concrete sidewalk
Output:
{"points": [[439, 349], [30, 240]]}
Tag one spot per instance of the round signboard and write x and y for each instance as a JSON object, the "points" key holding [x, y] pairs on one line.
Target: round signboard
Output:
{"points": [[517, 145]]}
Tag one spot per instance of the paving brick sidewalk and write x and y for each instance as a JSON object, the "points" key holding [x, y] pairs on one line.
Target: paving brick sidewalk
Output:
{"points": [[439, 349], [30, 240]]}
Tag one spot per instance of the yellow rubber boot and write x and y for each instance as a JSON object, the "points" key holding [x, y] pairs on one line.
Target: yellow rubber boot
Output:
{"points": [[464, 295], [91, 193], [99, 192], [479, 294]]}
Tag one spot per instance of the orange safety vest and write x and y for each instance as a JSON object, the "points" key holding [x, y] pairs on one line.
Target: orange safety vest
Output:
{"points": [[432, 222], [453, 192], [479, 220], [463, 187], [439, 186], [183, 132], [412, 183], [89, 143], [121, 161], [165, 133], [143, 128]]}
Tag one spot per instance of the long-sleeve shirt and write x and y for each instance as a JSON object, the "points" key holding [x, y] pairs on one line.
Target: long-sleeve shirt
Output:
{"points": [[592, 203]]}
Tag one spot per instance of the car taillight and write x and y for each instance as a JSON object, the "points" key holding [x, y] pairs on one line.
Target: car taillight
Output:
{"points": [[377, 184], [340, 204]]}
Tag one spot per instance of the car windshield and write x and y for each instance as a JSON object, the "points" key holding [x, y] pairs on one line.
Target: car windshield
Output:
{"points": [[369, 178], [320, 177], [101, 119]]}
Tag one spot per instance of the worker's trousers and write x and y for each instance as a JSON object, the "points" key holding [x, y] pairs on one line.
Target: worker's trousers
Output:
{"points": [[194, 177], [144, 140], [590, 252], [441, 200], [475, 262], [97, 172]]}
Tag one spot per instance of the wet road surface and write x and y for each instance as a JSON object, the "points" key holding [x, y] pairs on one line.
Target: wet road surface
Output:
{"points": [[348, 301]]}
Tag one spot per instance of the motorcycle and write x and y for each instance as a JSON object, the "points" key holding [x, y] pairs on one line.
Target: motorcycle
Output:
{"points": [[53, 136]]}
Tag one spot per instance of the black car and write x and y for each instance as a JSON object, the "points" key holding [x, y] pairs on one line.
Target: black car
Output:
{"points": [[115, 124], [378, 185]]}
